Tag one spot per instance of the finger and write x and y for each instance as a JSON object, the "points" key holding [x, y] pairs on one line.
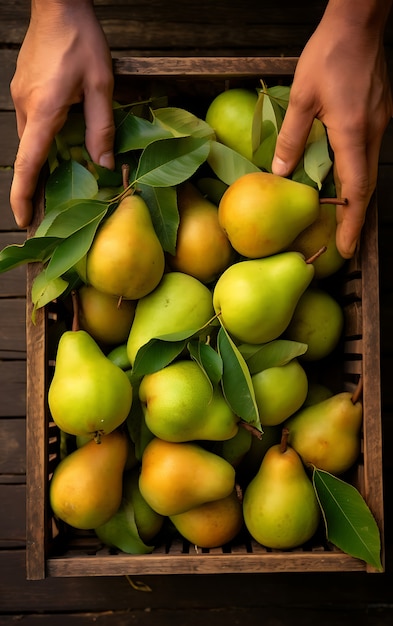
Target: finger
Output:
{"points": [[33, 150], [355, 181], [100, 128], [292, 139]]}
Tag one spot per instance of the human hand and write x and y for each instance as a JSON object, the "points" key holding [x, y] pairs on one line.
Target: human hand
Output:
{"points": [[341, 79], [64, 60]]}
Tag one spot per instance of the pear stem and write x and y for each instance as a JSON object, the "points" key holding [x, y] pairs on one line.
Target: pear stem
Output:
{"points": [[239, 492], [357, 394], [75, 308], [125, 171], [252, 429], [342, 201], [284, 440], [315, 256]]}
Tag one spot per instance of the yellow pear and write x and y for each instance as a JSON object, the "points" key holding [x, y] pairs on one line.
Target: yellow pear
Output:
{"points": [[322, 232], [104, 317], [126, 258], [211, 524], [327, 434], [262, 213], [202, 248], [86, 486], [176, 477]]}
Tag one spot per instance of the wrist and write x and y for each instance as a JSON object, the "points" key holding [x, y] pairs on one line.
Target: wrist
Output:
{"points": [[370, 15]]}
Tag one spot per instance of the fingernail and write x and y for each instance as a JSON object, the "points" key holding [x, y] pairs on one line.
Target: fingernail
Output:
{"points": [[279, 167], [107, 160]]}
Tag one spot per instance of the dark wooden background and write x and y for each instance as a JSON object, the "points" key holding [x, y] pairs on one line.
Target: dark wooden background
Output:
{"points": [[202, 27]]}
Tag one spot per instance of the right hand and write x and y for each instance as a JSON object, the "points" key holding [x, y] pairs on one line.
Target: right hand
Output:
{"points": [[64, 60]]}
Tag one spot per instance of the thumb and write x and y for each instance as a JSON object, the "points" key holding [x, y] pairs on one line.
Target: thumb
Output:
{"points": [[291, 140], [100, 129]]}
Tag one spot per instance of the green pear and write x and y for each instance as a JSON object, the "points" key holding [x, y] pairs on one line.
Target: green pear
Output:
{"points": [[179, 303], [231, 114], [256, 298], [134, 525], [234, 449], [262, 213], [211, 524], [86, 486], [104, 317], [179, 404], [327, 434], [322, 232], [280, 507], [316, 393], [126, 258], [202, 248], [252, 460], [279, 391], [88, 394], [318, 321], [118, 355], [176, 477]]}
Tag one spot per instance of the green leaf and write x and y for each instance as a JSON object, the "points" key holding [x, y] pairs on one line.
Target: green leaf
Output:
{"points": [[273, 354], [44, 291], [279, 95], [317, 162], [170, 162], [182, 123], [155, 355], [34, 249], [208, 359], [135, 133], [69, 181], [72, 249], [162, 203], [349, 522], [227, 164], [236, 380], [71, 217]]}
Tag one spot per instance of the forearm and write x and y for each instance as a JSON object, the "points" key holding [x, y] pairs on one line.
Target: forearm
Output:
{"points": [[370, 15]]}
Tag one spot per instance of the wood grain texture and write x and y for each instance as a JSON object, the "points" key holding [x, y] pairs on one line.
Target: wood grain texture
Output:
{"points": [[193, 28]]}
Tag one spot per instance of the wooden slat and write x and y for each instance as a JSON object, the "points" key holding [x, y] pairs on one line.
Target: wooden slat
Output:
{"points": [[12, 524], [13, 448], [12, 316], [9, 138], [13, 388]]}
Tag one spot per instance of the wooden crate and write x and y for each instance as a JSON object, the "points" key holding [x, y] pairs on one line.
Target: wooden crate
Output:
{"points": [[55, 550]]}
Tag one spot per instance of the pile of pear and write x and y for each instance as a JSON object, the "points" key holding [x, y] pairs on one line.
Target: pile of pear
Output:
{"points": [[166, 453]]}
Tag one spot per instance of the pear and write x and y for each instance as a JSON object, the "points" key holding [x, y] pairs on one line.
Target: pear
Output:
{"points": [[235, 449], [211, 524], [176, 477], [262, 213], [256, 298], [252, 460], [118, 355], [134, 525], [86, 486], [202, 248], [318, 321], [179, 303], [279, 391], [327, 434], [88, 394], [126, 258], [280, 507], [322, 232], [179, 404], [106, 319]]}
